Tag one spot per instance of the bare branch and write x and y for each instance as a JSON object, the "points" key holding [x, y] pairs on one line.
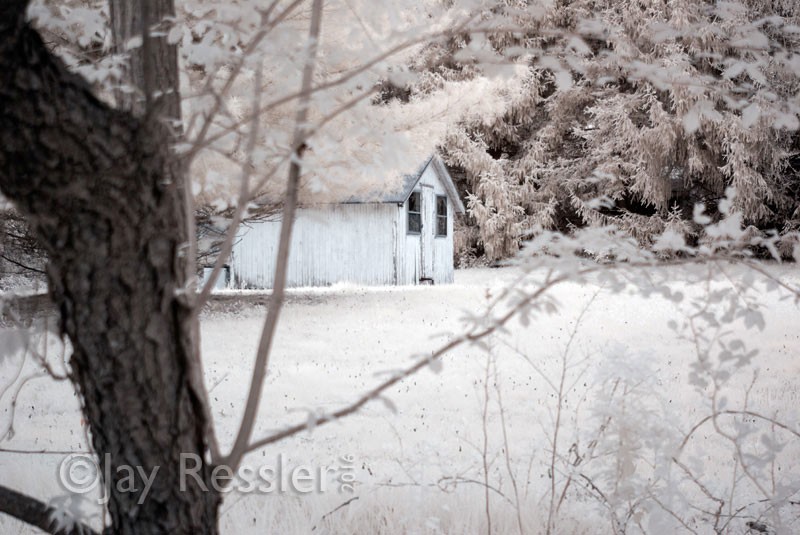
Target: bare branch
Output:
{"points": [[485, 445], [44, 451], [267, 26], [248, 194], [752, 414], [340, 506], [507, 454], [23, 266], [9, 430], [244, 197], [445, 483], [377, 391], [476, 336], [282, 261]]}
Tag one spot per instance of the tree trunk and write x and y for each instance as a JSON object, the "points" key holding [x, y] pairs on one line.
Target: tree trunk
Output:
{"points": [[96, 185], [152, 65]]}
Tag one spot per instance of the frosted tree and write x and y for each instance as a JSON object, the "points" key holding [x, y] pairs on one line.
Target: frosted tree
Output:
{"points": [[617, 119], [99, 152]]}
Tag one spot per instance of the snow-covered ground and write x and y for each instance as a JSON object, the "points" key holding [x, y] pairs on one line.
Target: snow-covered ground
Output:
{"points": [[627, 399]]}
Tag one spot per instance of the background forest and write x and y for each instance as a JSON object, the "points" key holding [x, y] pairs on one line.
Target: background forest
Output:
{"points": [[573, 142], [569, 140]]}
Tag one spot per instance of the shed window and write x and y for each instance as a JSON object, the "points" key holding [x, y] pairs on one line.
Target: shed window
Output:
{"points": [[414, 214], [441, 215]]}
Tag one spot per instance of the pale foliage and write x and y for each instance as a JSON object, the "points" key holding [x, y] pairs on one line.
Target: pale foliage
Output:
{"points": [[627, 113], [561, 114]]}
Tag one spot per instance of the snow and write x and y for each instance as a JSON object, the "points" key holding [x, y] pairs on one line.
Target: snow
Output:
{"points": [[334, 343]]}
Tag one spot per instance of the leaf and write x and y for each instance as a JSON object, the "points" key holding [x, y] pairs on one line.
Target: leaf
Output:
{"points": [[754, 318], [734, 70], [389, 404], [726, 356], [175, 34], [11, 342], [750, 115], [67, 513], [481, 345], [670, 240], [788, 121], [698, 216], [133, 42], [691, 121], [563, 79], [311, 421], [579, 46]]}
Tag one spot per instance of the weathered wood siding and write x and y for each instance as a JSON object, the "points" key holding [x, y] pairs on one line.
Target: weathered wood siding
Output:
{"points": [[360, 243], [334, 243], [409, 246]]}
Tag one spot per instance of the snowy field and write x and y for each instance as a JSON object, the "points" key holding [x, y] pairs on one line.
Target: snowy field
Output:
{"points": [[425, 461]]}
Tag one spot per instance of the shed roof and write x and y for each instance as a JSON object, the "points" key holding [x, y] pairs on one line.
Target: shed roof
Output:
{"points": [[401, 193]]}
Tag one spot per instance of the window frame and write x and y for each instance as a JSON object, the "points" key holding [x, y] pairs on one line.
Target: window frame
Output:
{"points": [[417, 213], [437, 216]]}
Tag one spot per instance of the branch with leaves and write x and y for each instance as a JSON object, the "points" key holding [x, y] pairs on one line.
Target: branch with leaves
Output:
{"points": [[38, 514]]}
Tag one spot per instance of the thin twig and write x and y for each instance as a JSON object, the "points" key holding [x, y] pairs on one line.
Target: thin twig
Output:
{"points": [[485, 446], [329, 513], [506, 447], [244, 195], [466, 338], [240, 446], [734, 413], [23, 266], [267, 26]]}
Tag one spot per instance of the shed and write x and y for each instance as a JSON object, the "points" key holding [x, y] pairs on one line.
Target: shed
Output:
{"points": [[398, 237]]}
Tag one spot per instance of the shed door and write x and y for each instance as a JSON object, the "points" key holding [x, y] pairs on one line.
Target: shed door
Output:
{"points": [[428, 230]]}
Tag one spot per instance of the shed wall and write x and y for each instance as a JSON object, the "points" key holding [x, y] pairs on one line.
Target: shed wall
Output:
{"points": [[335, 243], [409, 248]]}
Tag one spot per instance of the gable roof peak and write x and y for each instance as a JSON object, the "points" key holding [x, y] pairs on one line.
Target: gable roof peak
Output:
{"points": [[401, 193]]}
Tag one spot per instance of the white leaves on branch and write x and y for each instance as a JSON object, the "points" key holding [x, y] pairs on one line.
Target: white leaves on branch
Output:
{"points": [[69, 512], [668, 105], [133, 43], [360, 148], [561, 115], [751, 115], [670, 241]]}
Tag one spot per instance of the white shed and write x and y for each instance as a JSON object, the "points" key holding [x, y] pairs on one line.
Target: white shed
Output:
{"points": [[403, 237]]}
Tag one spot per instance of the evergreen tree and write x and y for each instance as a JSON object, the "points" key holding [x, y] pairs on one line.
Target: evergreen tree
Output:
{"points": [[582, 137]]}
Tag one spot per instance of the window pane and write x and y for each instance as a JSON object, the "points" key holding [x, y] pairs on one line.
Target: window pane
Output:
{"points": [[441, 226], [414, 216], [441, 206], [441, 215], [414, 222], [413, 202]]}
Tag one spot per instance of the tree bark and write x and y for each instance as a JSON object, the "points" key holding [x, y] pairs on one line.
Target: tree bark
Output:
{"points": [[97, 186], [153, 65]]}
